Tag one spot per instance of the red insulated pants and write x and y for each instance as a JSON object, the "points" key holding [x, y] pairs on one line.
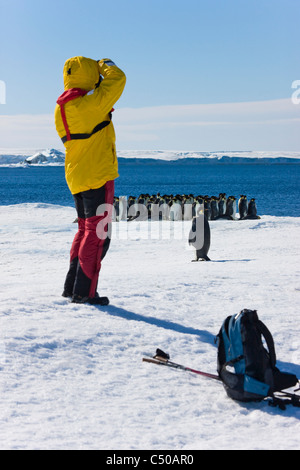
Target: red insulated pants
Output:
{"points": [[91, 242]]}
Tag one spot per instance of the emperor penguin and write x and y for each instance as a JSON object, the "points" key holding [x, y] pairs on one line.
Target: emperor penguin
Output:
{"points": [[252, 210], [199, 237], [243, 206], [214, 208], [222, 204], [230, 209]]}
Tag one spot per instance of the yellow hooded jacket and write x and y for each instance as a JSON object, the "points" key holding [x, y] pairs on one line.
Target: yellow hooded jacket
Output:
{"points": [[83, 121]]}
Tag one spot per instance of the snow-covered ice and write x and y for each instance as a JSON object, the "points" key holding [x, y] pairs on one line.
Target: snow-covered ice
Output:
{"points": [[48, 157], [72, 376]]}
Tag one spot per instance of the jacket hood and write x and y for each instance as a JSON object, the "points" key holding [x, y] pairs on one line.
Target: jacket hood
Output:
{"points": [[81, 72]]}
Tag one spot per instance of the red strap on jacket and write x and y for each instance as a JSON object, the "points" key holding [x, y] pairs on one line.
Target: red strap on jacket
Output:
{"points": [[64, 98], [67, 96]]}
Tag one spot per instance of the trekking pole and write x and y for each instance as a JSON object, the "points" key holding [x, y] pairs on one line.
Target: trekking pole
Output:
{"points": [[162, 358]]}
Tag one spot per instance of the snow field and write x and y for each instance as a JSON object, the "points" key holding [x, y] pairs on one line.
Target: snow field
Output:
{"points": [[72, 376]]}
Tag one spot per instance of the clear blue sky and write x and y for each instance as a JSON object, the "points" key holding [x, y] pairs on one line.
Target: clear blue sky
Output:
{"points": [[173, 52]]}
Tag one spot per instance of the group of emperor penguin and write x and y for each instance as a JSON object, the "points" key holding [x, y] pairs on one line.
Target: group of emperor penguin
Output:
{"points": [[199, 209], [182, 207]]}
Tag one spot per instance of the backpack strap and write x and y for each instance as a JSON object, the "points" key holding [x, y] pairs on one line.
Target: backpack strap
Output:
{"points": [[281, 380], [269, 340], [285, 399]]}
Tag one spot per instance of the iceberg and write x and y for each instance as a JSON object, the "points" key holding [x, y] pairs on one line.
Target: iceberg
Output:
{"points": [[46, 156]]}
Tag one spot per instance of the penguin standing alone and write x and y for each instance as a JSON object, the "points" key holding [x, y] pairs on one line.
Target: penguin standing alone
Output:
{"points": [[199, 237]]}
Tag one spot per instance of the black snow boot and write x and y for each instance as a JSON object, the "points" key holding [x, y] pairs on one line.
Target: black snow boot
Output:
{"points": [[97, 300]]}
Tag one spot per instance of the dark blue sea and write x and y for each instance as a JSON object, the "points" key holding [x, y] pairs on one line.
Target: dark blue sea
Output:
{"points": [[274, 186]]}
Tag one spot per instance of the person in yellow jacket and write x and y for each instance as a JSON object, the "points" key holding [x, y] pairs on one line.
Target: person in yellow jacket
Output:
{"points": [[83, 116]]}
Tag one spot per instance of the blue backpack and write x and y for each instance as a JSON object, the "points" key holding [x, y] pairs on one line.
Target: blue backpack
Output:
{"points": [[247, 369]]}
